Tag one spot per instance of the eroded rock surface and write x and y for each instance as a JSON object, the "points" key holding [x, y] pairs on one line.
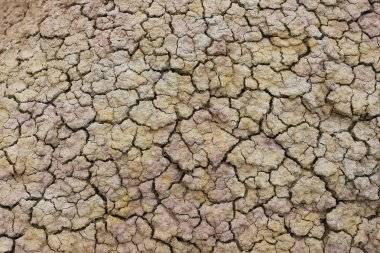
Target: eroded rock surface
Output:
{"points": [[190, 126]]}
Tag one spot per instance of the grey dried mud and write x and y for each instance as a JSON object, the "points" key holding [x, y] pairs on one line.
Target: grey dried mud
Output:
{"points": [[190, 126]]}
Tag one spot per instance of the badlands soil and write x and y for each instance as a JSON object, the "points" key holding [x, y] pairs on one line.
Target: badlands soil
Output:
{"points": [[190, 126]]}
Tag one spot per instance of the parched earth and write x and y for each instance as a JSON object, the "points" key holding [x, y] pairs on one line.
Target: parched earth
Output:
{"points": [[190, 126]]}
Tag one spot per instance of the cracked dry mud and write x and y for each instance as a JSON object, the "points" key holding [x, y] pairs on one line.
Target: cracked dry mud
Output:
{"points": [[190, 126]]}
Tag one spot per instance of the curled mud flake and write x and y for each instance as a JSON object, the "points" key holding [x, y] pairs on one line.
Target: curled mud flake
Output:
{"points": [[189, 126]]}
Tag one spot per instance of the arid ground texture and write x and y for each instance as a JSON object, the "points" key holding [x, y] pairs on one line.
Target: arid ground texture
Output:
{"points": [[189, 126]]}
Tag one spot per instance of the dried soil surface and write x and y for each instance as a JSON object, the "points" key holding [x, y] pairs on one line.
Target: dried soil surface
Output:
{"points": [[190, 126]]}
